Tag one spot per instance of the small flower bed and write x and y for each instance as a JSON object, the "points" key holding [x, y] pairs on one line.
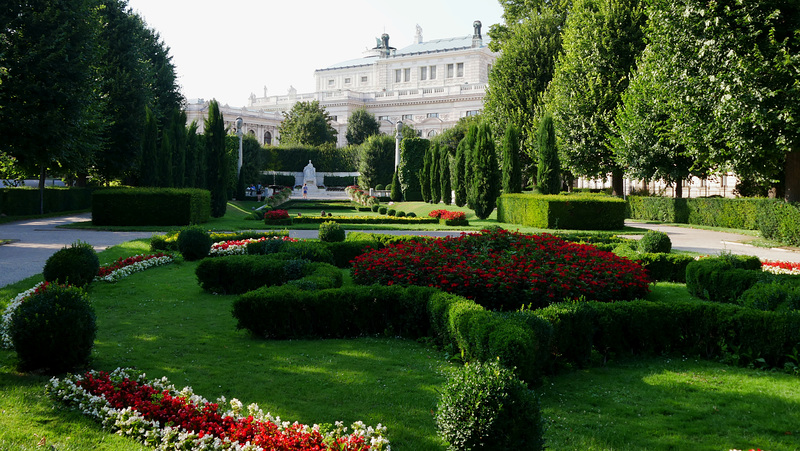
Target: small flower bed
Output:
{"points": [[790, 268], [361, 197], [276, 214], [506, 270], [158, 415], [8, 314], [239, 247], [124, 267], [449, 217]]}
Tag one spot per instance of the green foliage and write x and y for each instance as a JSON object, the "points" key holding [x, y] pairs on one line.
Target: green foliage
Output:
{"points": [[376, 161], [512, 172], [654, 241], [445, 187], [75, 265], [194, 243], [463, 153], [217, 165], [384, 239], [336, 180], [344, 252], [148, 173], [724, 278], [391, 212], [665, 267], [548, 175], [25, 201], [331, 232], [412, 155], [485, 188], [425, 176], [774, 296], [581, 212], [54, 330], [309, 250], [150, 206], [573, 326], [657, 208], [361, 125], [485, 406], [779, 221], [236, 274], [434, 175], [307, 123], [294, 157], [396, 194]]}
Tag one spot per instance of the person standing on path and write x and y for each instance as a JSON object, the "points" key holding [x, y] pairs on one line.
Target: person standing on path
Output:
{"points": [[305, 191]]}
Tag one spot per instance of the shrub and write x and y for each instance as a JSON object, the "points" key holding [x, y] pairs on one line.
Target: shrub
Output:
{"points": [[194, 243], [76, 265], [345, 252], [331, 232], [411, 215], [654, 241], [665, 267], [724, 278], [484, 406], [309, 250], [564, 211], [383, 210], [375, 208], [150, 206], [54, 329], [391, 212], [775, 296], [235, 274], [379, 187]]}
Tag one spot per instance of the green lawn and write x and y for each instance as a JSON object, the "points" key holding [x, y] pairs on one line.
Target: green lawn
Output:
{"points": [[161, 322]]}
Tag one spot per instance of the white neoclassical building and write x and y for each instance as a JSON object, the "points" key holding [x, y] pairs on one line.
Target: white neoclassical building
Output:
{"points": [[429, 85]]}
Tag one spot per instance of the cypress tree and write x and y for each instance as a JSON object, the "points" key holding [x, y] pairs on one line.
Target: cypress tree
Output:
{"points": [[469, 169], [147, 168], [165, 159], [217, 160], [485, 188], [444, 176], [548, 176], [425, 176], [193, 164], [396, 195], [512, 173], [436, 194], [460, 185], [178, 139]]}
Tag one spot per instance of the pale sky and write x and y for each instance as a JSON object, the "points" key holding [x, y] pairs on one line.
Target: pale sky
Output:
{"points": [[227, 50]]}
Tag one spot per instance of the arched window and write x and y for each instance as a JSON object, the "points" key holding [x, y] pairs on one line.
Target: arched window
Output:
{"points": [[268, 138], [431, 133], [251, 132]]}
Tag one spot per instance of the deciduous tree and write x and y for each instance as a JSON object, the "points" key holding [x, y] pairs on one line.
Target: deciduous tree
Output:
{"points": [[307, 123], [361, 125]]}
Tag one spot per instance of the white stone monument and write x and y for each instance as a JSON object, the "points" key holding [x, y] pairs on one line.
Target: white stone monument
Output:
{"points": [[310, 178]]}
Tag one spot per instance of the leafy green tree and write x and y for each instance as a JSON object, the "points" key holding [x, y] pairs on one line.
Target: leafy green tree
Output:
{"points": [[217, 167], [165, 95], [49, 107], [445, 187], [548, 178], [462, 176], [307, 123], [520, 75], [253, 157], [148, 166], [601, 41], [396, 194], [434, 177], [361, 125], [425, 176], [376, 161], [486, 187], [512, 174], [412, 155]]}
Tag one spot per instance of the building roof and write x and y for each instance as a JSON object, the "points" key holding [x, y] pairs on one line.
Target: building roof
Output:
{"points": [[432, 46]]}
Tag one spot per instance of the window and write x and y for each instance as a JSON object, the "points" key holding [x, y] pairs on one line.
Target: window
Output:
{"points": [[460, 70], [363, 79], [433, 114], [347, 81], [334, 118], [331, 82], [383, 118], [432, 72], [397, 74], [431, 134], [473, 113], [408, 117], [268, 138], [449, 71], [407, 74], [423, 73]]}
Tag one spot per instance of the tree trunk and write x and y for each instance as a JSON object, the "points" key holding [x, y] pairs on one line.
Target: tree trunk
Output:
{"points": [[42, 174], [617, 183], [792, 173], [679, 188]]}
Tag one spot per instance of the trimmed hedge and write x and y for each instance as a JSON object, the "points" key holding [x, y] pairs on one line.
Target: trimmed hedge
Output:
{"points": [[337, 180], [363, 219], [562, 211], [385, 239], [344, 252], [25, 201], [724, 279], [663, 209], [150, 206]]}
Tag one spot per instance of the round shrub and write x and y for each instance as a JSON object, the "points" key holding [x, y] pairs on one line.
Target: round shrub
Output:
{"points": [[76, 265], [771, 296], [379, 187], [400, 214], [485, 406], [194, 243], [654, 241], [309, 250], [411, 215], [54, 329], [375, 208], [382, 210], [294, 269], [331, 232], [391, 212]]}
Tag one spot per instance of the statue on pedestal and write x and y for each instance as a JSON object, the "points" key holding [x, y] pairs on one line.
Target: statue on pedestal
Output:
{"points": [[309, 173]]}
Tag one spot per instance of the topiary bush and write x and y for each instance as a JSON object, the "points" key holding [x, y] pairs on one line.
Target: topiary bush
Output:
{"points": [[775, 296], [382, 210], [76, 265], [375, 208], [411, 215], [379, 187], [331, 232], [54, 329], [654, 241], [400, 214], [391, 212], [194, 243], [484, 406]]}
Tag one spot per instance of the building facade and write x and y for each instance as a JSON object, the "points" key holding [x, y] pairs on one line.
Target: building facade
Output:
{"points": [[428, 85]]}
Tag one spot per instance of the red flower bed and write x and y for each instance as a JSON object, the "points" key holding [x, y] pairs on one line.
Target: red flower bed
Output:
{"points": [[276, 214], [123, 262], [206, 418], [505, 270], [448, 215]]}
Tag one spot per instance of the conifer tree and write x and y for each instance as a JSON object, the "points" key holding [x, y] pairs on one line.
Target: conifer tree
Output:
{"points": [[548, 175], [444, 176], [396, 194], [469, 169], [460, 185], [217, 163], [512, 172], [165, 159], [433, 179], [425, 176], [485, 188], [147, 167]]}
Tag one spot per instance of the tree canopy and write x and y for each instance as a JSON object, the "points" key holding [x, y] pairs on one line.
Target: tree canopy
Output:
{"points": [[307, 123], [361, 125]]}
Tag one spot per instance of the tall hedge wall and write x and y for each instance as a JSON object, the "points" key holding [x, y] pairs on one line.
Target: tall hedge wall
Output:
{"points": [[295, 158], [25, 201], [151, 206], [585, 212]]}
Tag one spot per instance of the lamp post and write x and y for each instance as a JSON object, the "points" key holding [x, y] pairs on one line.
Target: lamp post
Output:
{"points": [[397, 138], [239, 133]]}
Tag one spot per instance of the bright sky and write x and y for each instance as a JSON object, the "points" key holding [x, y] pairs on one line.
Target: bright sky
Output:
{"points": [[227, 50]]}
